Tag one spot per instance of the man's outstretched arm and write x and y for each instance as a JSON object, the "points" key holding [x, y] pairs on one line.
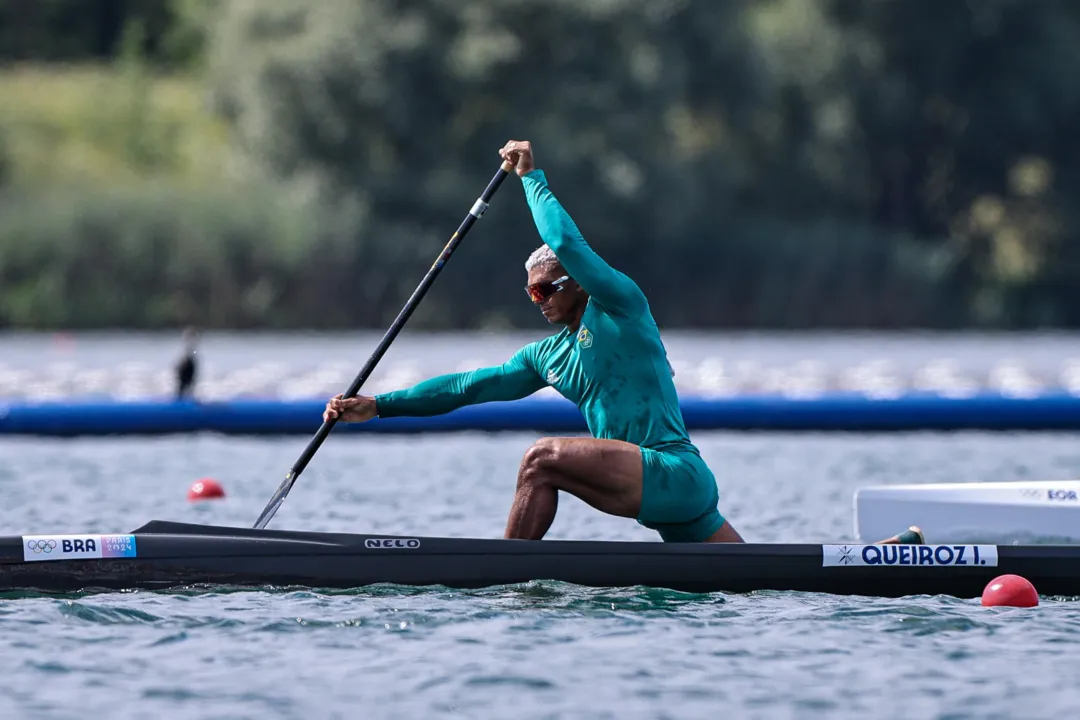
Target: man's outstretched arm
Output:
{"points": [[609, 287], [513, 380], [439, 395]]}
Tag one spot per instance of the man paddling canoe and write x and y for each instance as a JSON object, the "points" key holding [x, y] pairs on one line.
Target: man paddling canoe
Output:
{"points": [[610, 361]]}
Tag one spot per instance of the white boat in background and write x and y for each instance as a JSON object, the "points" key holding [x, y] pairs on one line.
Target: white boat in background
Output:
{"points": [[998, 512]]}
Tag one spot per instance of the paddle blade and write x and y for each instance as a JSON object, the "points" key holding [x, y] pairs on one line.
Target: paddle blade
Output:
{"points": [[275, 500]]}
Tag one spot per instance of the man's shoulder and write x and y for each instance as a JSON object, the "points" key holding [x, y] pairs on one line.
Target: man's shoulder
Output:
{"points": [[538, 350], [642, 319], [546, 344]]}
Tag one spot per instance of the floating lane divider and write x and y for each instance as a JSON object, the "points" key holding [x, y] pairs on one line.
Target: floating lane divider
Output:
{"points": [[840, 411]]}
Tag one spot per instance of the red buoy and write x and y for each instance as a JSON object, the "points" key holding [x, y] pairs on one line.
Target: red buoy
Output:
{"points": [[205, 489], [1010, 591]]}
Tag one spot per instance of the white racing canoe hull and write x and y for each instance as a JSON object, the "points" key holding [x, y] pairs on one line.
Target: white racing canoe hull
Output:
{"points": [[999, 512]]}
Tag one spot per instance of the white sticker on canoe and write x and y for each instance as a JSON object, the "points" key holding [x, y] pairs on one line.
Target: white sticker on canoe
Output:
{"points": [[77, 547], [909, 555]]}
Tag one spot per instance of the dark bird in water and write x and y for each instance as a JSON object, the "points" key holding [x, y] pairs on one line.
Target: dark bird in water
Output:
{"points": [[187, 367]]}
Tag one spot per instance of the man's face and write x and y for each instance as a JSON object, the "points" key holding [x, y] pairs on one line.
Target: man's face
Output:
{"points": [[554, 293]]}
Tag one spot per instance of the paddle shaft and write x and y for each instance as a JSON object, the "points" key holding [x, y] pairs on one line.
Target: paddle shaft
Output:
{"points": [[478, 209]]}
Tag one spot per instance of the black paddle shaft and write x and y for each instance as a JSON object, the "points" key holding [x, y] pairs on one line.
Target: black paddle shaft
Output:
{"points": [[478, 209]]}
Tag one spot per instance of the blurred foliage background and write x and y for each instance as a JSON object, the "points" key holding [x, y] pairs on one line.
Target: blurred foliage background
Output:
{"points": [[751, 163]]}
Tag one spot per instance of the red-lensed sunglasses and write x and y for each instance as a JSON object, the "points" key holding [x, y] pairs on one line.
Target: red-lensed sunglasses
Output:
{"points": [[539, 292]]}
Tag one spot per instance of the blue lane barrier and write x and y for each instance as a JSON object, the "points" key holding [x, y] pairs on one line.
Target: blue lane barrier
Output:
{"points": [[834, 412]]}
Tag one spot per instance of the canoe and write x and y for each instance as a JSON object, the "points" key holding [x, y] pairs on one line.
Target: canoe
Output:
{"points": [[994, 512], [163, 555]]}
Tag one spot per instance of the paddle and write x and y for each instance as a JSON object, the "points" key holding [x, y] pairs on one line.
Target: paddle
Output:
{"points": [[478, 209]]}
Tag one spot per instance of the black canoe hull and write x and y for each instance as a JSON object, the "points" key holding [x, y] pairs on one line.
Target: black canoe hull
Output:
{"points": [[173, 555]]}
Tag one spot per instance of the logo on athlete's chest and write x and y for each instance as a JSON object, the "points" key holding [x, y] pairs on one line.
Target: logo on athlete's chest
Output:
{"points": [[552, 378], [584, 337]]}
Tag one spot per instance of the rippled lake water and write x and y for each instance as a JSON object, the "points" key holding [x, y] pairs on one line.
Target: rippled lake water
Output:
{"points": [[543, 650], [44, 366]]}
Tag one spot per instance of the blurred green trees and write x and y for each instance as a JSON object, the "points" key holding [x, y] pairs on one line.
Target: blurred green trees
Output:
{"points": [[752, 163]]}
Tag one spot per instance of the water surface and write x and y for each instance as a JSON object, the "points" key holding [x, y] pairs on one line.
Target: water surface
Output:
{"points": [[542, 650]]}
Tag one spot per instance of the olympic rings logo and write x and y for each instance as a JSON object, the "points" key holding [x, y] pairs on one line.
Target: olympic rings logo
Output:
{"points": [[41, 546]]}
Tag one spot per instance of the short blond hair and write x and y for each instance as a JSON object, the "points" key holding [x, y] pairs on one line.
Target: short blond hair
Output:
{"points": [[542, 256]]}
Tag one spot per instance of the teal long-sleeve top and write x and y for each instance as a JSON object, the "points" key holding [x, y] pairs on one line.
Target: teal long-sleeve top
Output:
{"points": [[614, 368]]}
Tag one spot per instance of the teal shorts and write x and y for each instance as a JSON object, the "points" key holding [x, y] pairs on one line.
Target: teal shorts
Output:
{"points": [[679, 498]]}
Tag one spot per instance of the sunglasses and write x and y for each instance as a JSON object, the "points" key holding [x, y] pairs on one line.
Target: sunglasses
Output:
{"points": [[539, 292]]}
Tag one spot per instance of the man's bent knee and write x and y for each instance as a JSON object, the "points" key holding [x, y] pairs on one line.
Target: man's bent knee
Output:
{"points": [[541, 457]]}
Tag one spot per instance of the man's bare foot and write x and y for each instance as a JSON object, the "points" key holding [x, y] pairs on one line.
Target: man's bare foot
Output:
{"points": [[912, 536]]}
